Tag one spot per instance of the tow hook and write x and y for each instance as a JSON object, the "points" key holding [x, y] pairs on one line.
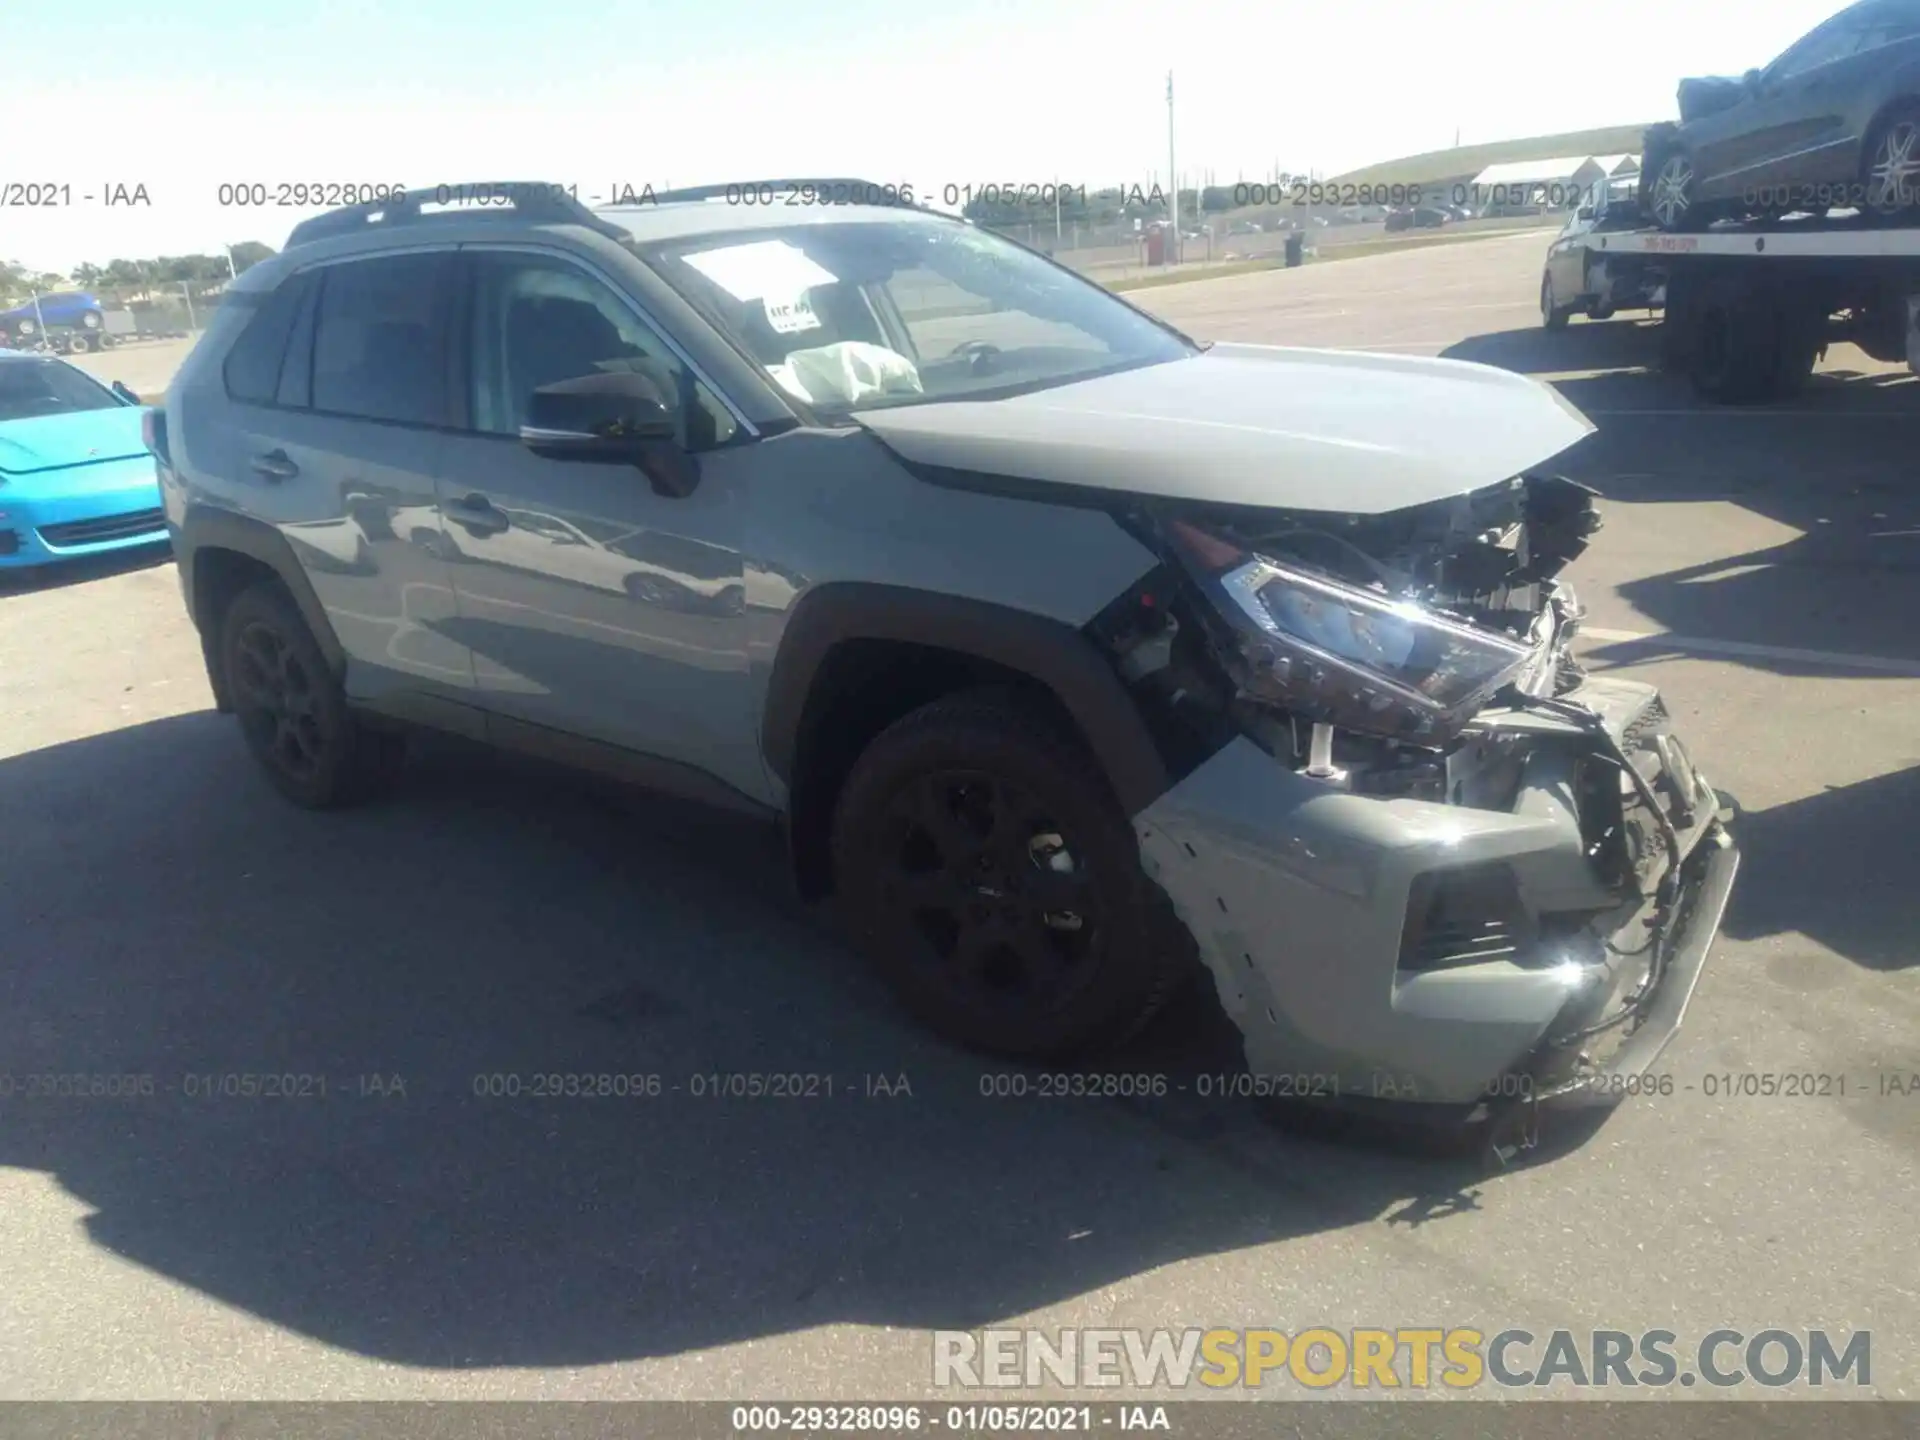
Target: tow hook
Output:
{"points": [[1512, 1130]]}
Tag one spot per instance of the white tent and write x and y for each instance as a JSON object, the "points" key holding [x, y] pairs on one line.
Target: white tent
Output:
{"points": [[1618, 167], [1567, 170]]}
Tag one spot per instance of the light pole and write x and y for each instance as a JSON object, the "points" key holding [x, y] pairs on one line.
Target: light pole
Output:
{"points": [[1173, 175]]}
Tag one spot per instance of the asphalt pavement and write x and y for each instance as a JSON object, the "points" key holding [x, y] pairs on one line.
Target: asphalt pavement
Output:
{"points": [[411, 1235]]}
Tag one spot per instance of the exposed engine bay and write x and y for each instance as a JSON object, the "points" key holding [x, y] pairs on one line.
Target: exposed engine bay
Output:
{"points": [[1470, 566], [1555, 846]]}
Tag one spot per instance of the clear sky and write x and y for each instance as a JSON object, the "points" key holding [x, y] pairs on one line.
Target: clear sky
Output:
{"points": [[184, 96]]}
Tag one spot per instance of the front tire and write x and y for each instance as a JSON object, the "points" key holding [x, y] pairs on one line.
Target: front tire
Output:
{"points": [[1552, 315], [989, 874], [293, 712], [1673, 196]]}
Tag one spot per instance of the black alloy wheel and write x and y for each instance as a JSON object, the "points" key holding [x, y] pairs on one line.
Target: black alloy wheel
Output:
{"points": [[276, 699], [985, 867], [292, 710], [998, 897]]}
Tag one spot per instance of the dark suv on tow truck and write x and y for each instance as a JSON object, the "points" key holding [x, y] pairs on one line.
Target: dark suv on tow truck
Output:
{"points": [[1071, 654]]}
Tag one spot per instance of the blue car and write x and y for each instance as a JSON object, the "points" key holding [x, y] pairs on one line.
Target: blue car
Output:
{"points": [[76, 477], [74, 308]]}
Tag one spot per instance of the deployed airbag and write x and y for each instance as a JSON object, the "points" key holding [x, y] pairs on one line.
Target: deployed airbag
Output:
{"points": [[847, 373]]}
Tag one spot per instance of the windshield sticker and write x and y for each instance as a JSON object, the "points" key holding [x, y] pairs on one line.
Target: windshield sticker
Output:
{"points": [[790, 317], [765, 268]]}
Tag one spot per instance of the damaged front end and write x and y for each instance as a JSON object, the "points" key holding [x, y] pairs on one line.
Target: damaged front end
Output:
{"points": [[1424, 856]]}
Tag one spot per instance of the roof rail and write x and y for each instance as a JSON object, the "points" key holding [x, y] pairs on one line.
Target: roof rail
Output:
{"points": [[836, 190], [523, 200]]}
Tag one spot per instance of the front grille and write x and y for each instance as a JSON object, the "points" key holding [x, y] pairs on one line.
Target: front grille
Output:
{"points": [[9, 542], [1464, 916], [107, 527]]}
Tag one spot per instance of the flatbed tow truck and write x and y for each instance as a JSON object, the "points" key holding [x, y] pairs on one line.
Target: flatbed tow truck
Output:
{"points": [[1750, 307]]}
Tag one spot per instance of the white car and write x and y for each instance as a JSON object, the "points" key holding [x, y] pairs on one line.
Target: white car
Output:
{"points": [[1576, 280]]}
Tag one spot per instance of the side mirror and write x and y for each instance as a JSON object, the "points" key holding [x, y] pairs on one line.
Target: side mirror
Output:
{"points": [[119, 388], [1585, 212], [618, 416]]}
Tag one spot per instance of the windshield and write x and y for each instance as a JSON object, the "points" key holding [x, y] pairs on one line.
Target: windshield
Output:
{"points": [[905, 309], [30, 389]]}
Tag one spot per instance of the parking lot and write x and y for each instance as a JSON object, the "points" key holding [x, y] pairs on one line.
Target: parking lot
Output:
{"points": [[164, 914]]}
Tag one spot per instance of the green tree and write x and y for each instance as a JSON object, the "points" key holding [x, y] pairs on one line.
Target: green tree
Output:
{"points": [[249, 253], [127, 275]]}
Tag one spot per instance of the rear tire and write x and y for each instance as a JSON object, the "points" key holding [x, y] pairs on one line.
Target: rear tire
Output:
{"points": [[293, 712], [1753, 344], [987, 871], [1891, 164]]}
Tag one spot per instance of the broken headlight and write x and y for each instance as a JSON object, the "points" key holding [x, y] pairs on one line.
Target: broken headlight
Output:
{"points": [[1353, 656]]}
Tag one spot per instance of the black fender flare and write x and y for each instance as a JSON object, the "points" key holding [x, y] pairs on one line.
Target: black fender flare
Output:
{"points": [[207, 528], [1047, 651]]}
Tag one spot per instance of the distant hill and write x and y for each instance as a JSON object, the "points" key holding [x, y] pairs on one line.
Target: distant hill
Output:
{"points": [[1472, 159]]}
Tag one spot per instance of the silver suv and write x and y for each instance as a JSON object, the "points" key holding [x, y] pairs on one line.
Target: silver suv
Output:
{"points": [[1071, 654]]}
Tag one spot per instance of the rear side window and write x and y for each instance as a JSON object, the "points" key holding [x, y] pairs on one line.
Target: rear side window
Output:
{"points": [[252, 368], [377, 352]]}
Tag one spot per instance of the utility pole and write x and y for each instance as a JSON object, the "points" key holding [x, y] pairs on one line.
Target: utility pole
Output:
{"points": [[1173, 175]]}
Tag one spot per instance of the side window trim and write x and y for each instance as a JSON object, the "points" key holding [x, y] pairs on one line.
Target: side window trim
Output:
{"points": [[306, 325], [639, 312]]}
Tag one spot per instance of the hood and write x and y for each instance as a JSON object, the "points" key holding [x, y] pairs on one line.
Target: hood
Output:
{"points": [[1255, 425], [81, 437], [1710, 94]]}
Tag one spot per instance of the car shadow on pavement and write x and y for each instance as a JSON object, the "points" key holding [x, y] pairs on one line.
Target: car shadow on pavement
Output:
{"points": [[1838, 868], [493, 925], [1832, 470], [21, 580]]}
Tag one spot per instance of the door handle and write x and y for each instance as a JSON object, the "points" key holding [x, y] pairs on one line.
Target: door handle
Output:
{"points": [[274, 465], [477, 515]]}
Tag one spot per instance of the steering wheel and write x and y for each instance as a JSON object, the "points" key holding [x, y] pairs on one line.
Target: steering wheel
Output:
{"points": [[981, 351]]}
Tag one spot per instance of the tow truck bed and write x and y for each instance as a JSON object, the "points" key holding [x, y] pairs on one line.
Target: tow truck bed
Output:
{"points": [[1751, 307]]}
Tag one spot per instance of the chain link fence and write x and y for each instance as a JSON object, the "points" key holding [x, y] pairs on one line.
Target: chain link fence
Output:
{"points": [[78, 322]]}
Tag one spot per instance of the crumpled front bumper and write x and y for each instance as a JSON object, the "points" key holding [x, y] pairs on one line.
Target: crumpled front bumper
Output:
{"points": [[1313, 909]]}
